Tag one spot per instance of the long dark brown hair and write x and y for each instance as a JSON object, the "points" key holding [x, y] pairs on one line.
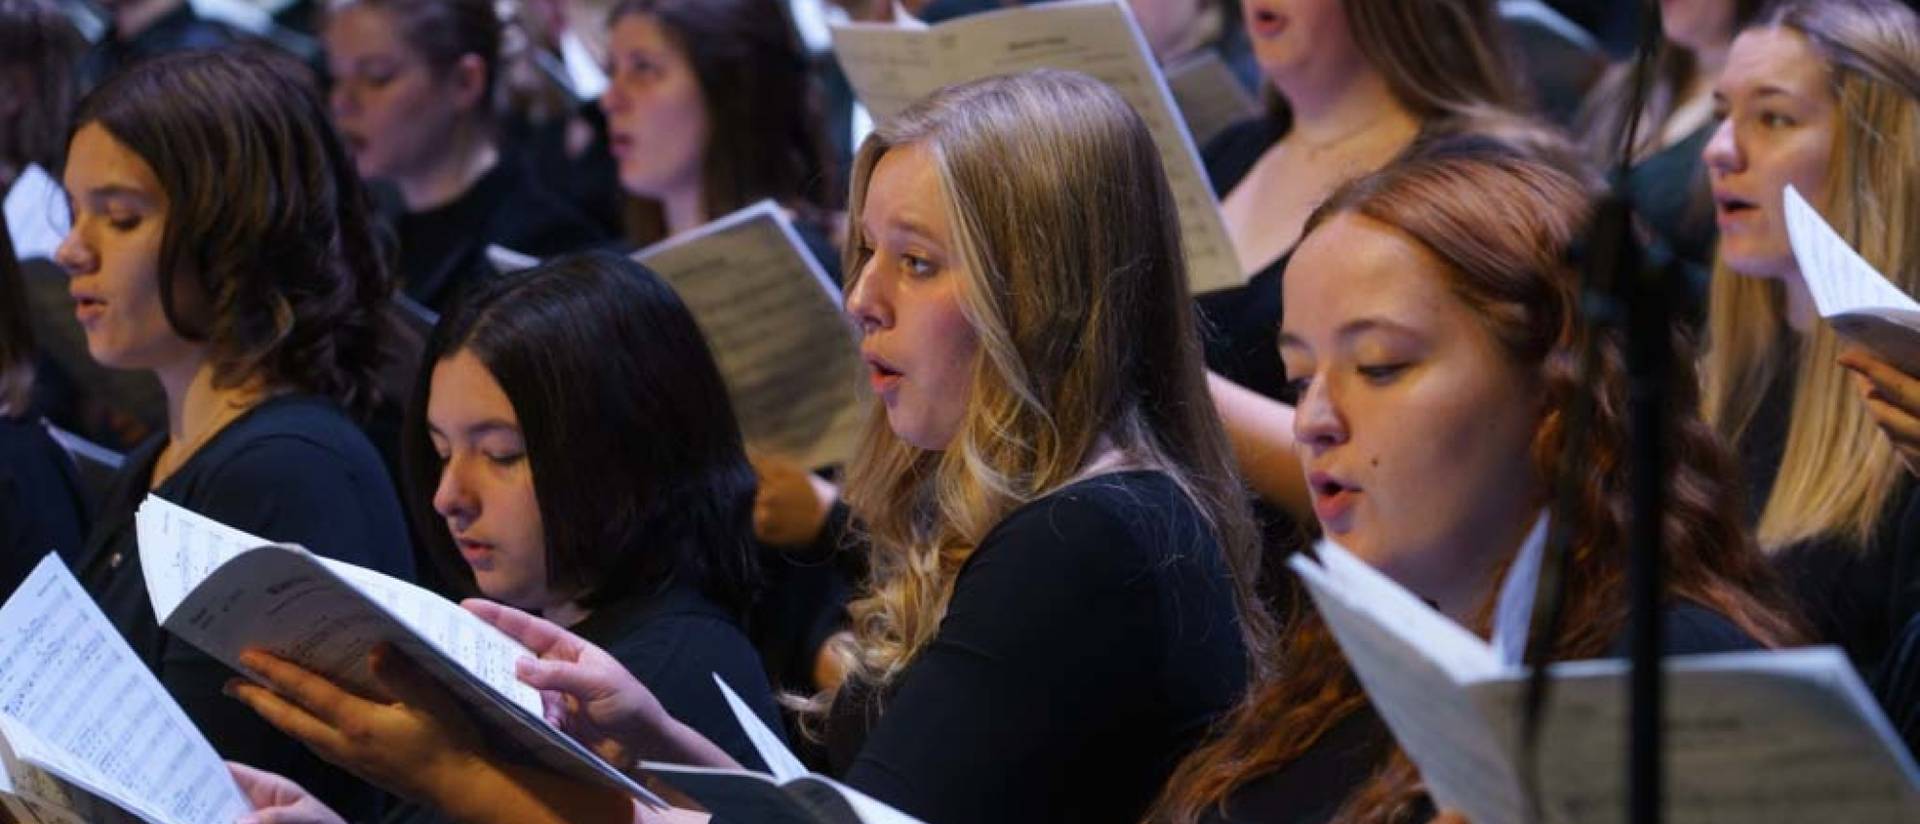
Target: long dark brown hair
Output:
{"points": [[1503, 222], [39, 61], [16, 336], [1604, 113], [268, 254], [763, 134], [1444, 60]]}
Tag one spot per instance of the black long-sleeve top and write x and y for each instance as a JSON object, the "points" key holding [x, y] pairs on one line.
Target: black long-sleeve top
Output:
{"points": [[1090, 640], [293, 469]]}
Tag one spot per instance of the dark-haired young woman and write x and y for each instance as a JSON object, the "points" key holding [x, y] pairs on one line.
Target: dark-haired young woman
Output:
{"points": [[571, 451], [710, 109], [413, 95], [221, 241]]}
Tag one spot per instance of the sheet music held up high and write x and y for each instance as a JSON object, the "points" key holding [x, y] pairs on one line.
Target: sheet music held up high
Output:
{"points": [[790, 359], [1849, 292], [890, 67]]}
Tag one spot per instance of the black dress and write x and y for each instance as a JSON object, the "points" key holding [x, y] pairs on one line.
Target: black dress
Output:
{"points": [[1311, 788], [42, 509], [1090, 640], [1240, 325], [293, 469], [444, 248]]}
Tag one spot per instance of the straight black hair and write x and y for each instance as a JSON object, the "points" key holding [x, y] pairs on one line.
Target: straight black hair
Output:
{"points": [[638, 465]]}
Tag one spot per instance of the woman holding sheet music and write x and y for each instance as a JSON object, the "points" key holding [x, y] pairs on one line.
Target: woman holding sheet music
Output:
{"points": [[571, 452], [1060, 602], [1431, 337], [221, 241], [1825, 96]]}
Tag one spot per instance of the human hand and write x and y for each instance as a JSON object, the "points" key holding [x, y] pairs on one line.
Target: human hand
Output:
{"points": [[277, 800], [1892, 397], [790, 504], [415, 740], [585, 692]]}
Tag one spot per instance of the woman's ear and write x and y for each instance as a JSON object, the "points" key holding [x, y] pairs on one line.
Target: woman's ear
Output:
{"points": [[469, 82]]}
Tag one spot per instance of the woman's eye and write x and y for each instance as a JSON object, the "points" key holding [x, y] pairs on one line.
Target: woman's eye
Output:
{"points": [[1381, 373], [1294, 389], [1775, 120], [505, 458], [124, 223], [916, 266]]}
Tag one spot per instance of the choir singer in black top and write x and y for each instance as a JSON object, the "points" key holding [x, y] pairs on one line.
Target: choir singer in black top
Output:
{"points": [[1060, 602], [221, 241]]}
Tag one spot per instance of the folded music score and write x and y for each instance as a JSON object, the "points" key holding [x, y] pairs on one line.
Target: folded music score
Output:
{"points": [[892, 66], [1751, 737], [773, 319]]}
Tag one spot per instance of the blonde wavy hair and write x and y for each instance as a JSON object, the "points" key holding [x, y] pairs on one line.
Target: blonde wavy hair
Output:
{"points": [[1077, 291], [1838, 469]]}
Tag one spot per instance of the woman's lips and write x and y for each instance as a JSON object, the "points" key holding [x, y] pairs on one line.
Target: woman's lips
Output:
{"points": [[1267, 23], [1332, 500]]}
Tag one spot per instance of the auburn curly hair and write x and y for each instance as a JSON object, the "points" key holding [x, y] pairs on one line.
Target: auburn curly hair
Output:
{"points": [[268, 254], [1503, 221]]}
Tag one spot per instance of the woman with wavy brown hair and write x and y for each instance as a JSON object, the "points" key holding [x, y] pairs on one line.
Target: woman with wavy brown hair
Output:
{"points": [[220, 240], [1432, 336]]}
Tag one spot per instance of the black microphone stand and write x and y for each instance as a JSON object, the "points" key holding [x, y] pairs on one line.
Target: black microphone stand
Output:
{"points": [[1622, 283]]}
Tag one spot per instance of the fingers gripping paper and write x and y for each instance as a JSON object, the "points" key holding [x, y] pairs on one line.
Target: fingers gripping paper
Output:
{"points": [[225, 591]]}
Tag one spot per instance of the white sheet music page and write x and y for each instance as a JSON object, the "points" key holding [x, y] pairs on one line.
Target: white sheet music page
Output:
{"points": [[1849, 292], [1414, 663], [327, 616], [1778, 737], [95, 715], [1209, 95], [507, 260], [36, 209], [890, 67], [790, 359], [180, 548]]}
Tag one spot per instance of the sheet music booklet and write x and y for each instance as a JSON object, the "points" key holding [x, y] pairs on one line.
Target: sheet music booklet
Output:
{"points": [[1752, 737], [87, 733], [772, 317], [225, 591], [892, 66]]}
